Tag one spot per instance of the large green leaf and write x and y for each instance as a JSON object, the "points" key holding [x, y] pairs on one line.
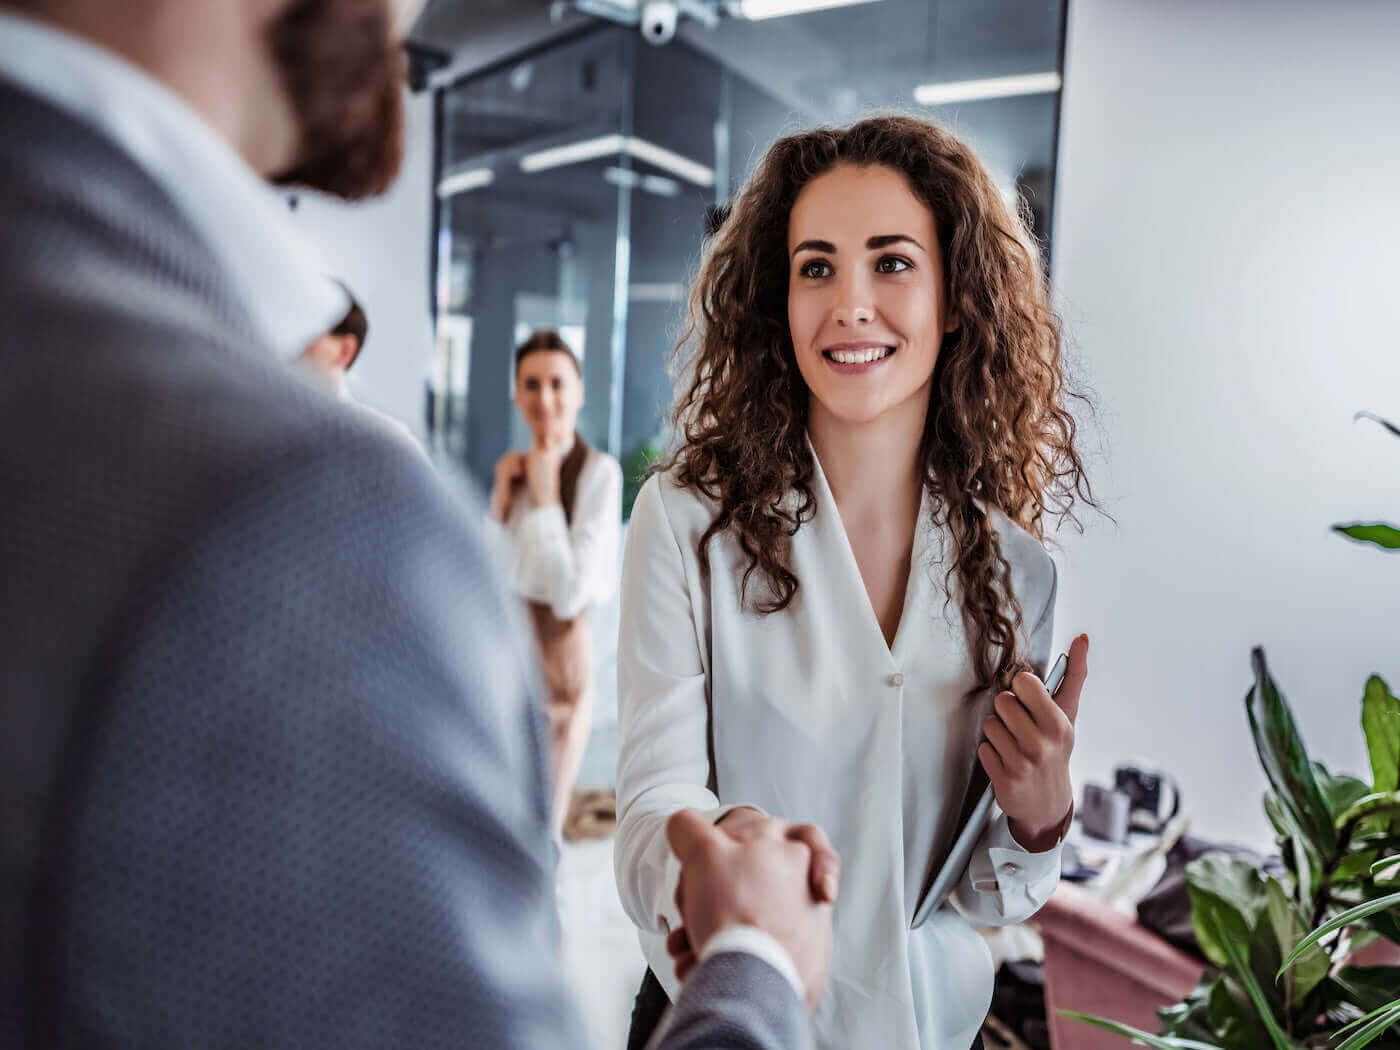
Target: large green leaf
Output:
{"points": [[1251, 984], [1289, 927], [1233, 891], [1161, 1042], [1380, 720], [1285, 760], [1386, 868], [1337, 922], [1387, 537], [1293, 848]]}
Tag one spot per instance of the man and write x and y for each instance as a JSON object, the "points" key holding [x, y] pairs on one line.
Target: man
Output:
{"points": [[270, 769], [331, 355]]}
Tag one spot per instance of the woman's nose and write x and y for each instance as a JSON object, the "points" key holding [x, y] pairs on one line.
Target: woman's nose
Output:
{"points": [[855, 306]]}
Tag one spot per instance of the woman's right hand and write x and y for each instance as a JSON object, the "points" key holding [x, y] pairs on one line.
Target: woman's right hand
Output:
{"points": [[510, 471]]}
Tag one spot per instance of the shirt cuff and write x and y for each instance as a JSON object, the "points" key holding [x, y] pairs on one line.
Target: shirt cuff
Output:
{"points": [[753, 941], [1012, 863]]}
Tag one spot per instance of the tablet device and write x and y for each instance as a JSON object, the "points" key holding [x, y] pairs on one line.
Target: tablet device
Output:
{"points": [[973, 824]]}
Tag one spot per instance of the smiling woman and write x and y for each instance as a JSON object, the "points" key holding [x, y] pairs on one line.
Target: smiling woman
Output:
{"points": [[873, 430]]}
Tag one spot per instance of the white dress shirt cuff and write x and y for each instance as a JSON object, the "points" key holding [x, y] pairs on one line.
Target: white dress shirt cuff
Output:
{"points": [[1012, 864], [753, 941]]}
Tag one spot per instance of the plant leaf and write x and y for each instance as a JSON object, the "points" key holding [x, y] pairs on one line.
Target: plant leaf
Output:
{"points": [[1380, 721], [1288, 928], [1373, 806], [1370, 986], [1380, 1021], [1162, 1042], [1382, 535], [1341, 792], [1335, 923], [1285, 760], [1230, 888], [1387, 868], [1251, 985], [1377, 419]]}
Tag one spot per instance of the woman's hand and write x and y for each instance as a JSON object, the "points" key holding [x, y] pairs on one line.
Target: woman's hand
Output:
{"points": [[1026, 753], [510, 471], [542, 474]]}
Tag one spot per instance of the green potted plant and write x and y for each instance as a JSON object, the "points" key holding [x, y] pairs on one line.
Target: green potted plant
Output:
{"points": [[1279, 944]]}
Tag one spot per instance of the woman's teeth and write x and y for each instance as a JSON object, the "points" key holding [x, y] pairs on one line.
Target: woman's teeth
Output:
{"points": [[858, 357]]}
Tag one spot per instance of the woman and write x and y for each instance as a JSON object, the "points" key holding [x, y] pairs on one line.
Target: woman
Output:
{"points": [[560, 505], [831, 592]]}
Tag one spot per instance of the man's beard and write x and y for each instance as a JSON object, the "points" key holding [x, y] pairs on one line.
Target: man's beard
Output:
{"points": [[344, 76]]}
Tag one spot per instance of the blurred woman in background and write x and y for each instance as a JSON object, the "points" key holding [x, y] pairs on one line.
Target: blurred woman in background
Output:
{"points": [[560, 506]]}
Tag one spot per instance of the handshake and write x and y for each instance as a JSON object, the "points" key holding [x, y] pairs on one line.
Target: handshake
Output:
{"points": [[756, 871]]}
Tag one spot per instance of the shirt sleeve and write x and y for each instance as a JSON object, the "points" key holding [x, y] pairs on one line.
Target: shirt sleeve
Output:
{"points": [[663, 718], [570, 566], [1005, 883], [753, 941]]}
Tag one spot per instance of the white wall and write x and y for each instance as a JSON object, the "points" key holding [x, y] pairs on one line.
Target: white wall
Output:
{"points": [[1227, 220], [380, 249]]}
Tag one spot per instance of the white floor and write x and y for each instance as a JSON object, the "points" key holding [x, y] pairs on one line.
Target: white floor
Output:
{"points": [[601, 956]]}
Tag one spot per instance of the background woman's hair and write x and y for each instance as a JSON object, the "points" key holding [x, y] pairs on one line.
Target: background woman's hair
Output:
{"points": [[546, 339], [998, 433]]}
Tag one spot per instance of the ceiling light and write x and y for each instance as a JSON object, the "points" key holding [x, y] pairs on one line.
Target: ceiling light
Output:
{"points": [[608, 145], [465, 181], [758, 9], [989, 87], [572, 153]]}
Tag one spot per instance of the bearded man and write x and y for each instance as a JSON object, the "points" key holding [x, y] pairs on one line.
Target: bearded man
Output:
{"points": [[271, 766]]}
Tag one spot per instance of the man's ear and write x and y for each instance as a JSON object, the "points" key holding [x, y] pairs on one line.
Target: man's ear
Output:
{"points": [[346, 346]]}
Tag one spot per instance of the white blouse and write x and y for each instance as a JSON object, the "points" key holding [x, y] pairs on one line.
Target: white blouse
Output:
{"points": [[568, 564], [808, 715]]}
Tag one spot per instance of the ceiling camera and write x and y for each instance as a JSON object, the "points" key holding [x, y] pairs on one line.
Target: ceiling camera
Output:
{"points": [[658, 21]]}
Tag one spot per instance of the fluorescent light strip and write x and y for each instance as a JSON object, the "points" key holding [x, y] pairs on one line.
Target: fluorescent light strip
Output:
{"points": [[573, 153], [465, 181], [990, 87], [754, 10], [607, 145]]}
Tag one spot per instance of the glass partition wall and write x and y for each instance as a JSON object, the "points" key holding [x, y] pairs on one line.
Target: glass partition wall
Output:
{"points": [[574, 183]]}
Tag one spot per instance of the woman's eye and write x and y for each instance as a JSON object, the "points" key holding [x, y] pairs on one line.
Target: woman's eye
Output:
{"points": [[891, 264], [816, 268]]}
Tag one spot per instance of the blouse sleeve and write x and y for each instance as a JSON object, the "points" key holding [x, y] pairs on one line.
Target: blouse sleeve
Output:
{"points": [[663, 760], [570, 566], [1005, 883]]}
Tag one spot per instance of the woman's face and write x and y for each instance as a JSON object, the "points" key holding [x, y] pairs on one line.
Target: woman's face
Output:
{"points": [[549, 394], [865, 292]]}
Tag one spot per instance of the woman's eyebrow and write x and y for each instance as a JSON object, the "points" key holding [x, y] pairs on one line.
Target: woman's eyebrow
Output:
{"points": [[883, 240], [886, 239]]}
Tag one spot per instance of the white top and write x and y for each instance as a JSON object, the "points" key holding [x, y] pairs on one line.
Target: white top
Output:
{"points": [[568, 565], [280, 278], [815, 719]]}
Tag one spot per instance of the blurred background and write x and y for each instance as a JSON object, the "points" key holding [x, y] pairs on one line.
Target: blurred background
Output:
{"points": [[1214, 186]]}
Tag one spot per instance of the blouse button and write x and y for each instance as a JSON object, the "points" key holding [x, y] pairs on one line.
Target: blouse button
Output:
{"points": [[1010, 868], [896, 679]]}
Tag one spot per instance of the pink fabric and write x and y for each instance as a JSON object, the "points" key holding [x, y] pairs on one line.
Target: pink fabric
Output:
{"points": [[1099, 961]]}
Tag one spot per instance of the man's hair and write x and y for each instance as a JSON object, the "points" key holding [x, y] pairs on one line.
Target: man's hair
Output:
{"points": [[545, 339], [353, 323]]}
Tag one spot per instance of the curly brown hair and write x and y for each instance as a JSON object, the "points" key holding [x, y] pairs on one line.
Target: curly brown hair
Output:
{"points": [[998, 432]]}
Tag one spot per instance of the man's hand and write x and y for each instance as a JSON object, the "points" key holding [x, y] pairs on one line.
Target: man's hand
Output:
{"points": [[1027, 750], [762, 881], [744, 823], [510, 471], [542, 474]]}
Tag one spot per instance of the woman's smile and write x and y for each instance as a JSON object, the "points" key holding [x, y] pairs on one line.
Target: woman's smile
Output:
{"points": [[857, 358]]}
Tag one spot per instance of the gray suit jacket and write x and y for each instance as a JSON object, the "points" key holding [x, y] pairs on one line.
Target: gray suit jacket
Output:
{"points": [[271, 769]]}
